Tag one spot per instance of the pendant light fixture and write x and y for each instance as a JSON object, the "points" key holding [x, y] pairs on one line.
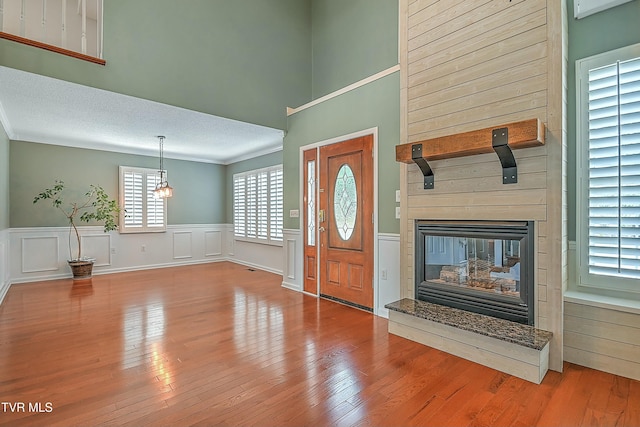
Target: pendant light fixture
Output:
{"points": [[163, 189]]}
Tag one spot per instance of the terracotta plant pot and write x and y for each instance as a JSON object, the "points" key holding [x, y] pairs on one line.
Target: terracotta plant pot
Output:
{"points": [[81, 269]]}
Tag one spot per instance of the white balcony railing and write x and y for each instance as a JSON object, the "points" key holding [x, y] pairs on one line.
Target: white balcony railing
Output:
{"points": [[72, 25]]}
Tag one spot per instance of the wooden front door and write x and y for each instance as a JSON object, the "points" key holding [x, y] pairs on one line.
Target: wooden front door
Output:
{"points": [[345, 221]]}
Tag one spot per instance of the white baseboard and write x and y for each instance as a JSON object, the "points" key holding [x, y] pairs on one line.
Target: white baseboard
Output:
{"points": [[291, 286], [254, 265]]}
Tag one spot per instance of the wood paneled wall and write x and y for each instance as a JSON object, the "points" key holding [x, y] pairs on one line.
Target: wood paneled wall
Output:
{"points": [[472, 64], [604, 339]]}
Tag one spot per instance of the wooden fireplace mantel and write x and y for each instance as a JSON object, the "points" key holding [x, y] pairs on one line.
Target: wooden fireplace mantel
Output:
{"points": [[501, 139], [524, 134]]}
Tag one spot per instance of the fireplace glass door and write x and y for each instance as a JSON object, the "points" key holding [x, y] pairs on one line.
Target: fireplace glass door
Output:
{"points": [[483, 267]]}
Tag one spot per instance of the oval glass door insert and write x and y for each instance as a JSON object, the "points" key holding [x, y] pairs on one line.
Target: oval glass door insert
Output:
{"points": [[345, 202]]}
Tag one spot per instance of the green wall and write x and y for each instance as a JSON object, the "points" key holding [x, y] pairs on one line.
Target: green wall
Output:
{"points": [[351, 40], [199, 188], [611, 29], [4, 179], [374, 105], [267, 160], [243, 59]]}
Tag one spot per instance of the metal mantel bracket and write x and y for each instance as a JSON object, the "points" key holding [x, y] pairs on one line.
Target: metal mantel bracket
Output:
{"points": [[416, 156], [500, 142]]}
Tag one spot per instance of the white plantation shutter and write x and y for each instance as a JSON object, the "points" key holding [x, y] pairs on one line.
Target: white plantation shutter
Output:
{"points": [[132, 190], [258, 205], [252, 205], [239, 205], [142, 213], [262, 199], [276, 204], [155, 207], [611, 168]]}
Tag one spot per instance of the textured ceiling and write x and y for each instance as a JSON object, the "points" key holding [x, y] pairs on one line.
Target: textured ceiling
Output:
{"points": [[41, 109]]}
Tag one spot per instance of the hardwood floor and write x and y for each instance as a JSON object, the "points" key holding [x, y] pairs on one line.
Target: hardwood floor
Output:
{"points": [[218, 344]]}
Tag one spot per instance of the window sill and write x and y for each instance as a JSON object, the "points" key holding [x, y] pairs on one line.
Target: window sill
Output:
{"points": [[602, 301], [142, 230]]}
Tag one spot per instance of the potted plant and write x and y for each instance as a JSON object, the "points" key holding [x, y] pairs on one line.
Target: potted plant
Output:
{"points": [[96, 206]]}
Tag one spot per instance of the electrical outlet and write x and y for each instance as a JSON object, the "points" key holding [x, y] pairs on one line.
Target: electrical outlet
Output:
{"points": [[113, 251], [397, 212], [383, 274], [294, 213], [397, 196], [143, 248]]}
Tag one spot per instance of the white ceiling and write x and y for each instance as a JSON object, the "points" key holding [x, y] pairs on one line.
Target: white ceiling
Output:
{"points": [[50, 111]]}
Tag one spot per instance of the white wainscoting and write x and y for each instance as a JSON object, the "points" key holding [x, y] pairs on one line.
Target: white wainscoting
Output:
{"points": [[389, 267], [230, 241], [4, 263], [255, 255], [99, 246], [213, 243], [293, 270], [182, 244], [41, 253]]}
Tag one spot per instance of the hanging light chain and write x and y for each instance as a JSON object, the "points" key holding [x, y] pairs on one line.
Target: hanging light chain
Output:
{"points": [[161, 157], [163, 189]]}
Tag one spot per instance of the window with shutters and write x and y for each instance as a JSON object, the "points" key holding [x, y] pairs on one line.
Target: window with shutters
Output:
{"points": [[142, 212], [608, 187], [258, 205]]}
